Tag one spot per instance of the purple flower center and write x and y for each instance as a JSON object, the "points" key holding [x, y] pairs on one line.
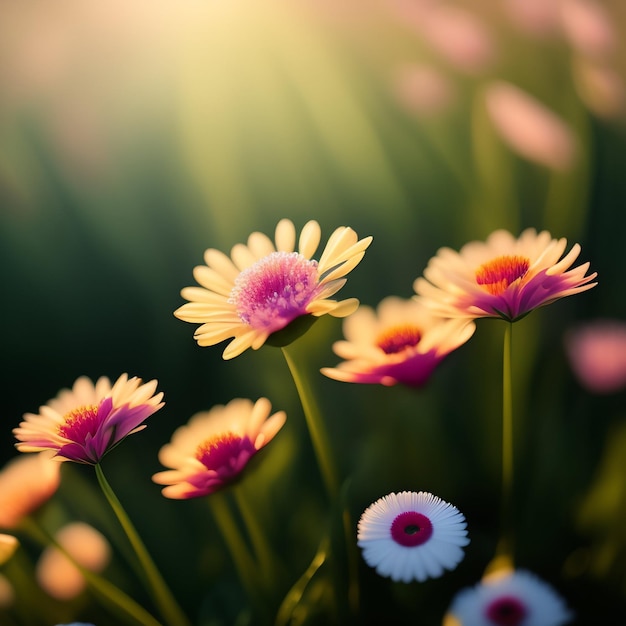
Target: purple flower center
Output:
{"points": [[398, 338], [411, 529], [275, 290], [224, 450], [506, 611], [81, 423], [499, 273]]}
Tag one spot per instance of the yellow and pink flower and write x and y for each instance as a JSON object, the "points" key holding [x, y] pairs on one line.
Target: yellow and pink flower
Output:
{"points": [[211, 451], [400, 342], [264, 286], [82, 424], [502, 277]]}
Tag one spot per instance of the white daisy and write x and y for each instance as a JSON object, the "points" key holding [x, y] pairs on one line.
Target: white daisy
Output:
{"points": [[412, 536]]}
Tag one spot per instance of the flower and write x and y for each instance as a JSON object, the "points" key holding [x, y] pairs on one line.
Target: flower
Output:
{"points": [[412, 536], [8, 545], [263, 287], [597, 355], [57, 575], [26, 484], [84, 423], [212, 450], [517, 598], [400, 342], [502, 277]]}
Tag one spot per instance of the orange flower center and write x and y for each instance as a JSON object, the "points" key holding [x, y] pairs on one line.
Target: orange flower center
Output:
{"points": [[222, 449], [497, 274], [398, 338], [80, 422]]}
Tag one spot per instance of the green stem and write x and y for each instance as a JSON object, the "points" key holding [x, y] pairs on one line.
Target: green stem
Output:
{"points": [[117, 601], [246, 568], [262, 549], [148, 571], [322, 449], [506, 542], [315, 424]]}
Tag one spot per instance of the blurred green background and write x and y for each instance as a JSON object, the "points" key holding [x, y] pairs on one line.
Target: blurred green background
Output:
{"points": [[133, 136]]}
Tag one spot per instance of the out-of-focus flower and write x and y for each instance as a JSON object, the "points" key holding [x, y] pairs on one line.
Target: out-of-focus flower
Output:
{"points": [[26, 483], [502, 277], [7, 592], [588, 27], [600, 87], [597, 355], [213, 448], [412, 536], [536, 17], [263, 286], [423, 89], [528, 127], [57, 575], [459, 36], [83, 423], [8, 546], [400, 342], [516, 598]]}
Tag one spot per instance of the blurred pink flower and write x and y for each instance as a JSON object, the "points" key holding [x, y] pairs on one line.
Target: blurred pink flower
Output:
{"points": [[601, 87], [7, 592], [57, 575], [26, 483], [423, 89], [502, 276], [212, 450], [535, 17], [529, 128], [400, 342], [83, 423], [588, 27], [597, 355]]}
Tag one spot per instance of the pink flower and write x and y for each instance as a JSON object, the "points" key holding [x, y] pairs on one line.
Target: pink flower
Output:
{"points": [[402, 342], [84, 423], [597, 355], [213, 449], [502, 277], [264, 286], [26, 483]]}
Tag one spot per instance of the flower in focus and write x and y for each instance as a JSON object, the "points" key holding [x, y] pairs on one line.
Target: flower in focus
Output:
{"points": [[213, 448], [26, 484], [57, 575], [8, 545], [400, 342], [597, 355], [516, 598], [83, 423], [412, 536], [263, 286], [502, 277]]}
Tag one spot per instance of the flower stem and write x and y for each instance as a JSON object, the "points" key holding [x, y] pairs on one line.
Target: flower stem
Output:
{"points": [[505, 547], [315, 424], [148, 571], [116, 600], [262, 549], [244, 563], [322, 449]]}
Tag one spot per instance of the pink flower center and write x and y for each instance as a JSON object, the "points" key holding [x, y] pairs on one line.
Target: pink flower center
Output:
{"points": [[499, 273], [78, 424], [275, 290], [223, 450], [411, 529], [506, 611], [398, 338]]}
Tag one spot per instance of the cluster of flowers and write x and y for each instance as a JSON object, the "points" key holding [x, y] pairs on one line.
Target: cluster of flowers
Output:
{"points": [[266, 289]]}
